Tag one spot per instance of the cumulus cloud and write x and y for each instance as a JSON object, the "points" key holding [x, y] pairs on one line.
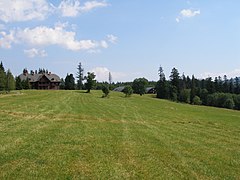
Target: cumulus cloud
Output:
{"points": [[72, 8], [6, 40], [35, 53], [23, 10], [111, 38], [187, 13], [46, 36], [26, 10], [102, 74]]}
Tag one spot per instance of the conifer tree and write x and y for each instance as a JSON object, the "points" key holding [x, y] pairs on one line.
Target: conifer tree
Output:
{"points": [[19, 85], [193, 89], [80, 76], [10, 81], [2, 78]]}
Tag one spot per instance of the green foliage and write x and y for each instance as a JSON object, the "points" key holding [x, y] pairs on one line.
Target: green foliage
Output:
{"points": [[80, 77], [196, 101], [128, 91], [175, 79], [105, 90], [139, 86], [2, 78], [229, 103], [10, 81], [26, 84], [90, 81], [62, 84], [19, 85], [184, 96], [69, 82]]}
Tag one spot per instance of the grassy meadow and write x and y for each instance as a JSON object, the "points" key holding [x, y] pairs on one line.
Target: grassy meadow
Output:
{"points": [[74, 135]]}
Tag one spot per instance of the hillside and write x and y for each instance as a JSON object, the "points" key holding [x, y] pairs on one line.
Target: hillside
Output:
{"points": [[71, 134]]}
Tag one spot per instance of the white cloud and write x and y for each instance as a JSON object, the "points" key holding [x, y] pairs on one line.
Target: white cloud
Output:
{"points": [[6, 39], [111, 38], [72, 8], [102, 74], [187, 13], [46, 36], [35, 52], [92, 5], [231, 74], [23, 10]]}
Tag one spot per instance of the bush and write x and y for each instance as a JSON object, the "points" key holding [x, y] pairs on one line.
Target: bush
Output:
{"points": [[128, 91], [105, 90], [229, 103], [236, 99], [196, 100], [184, 96]]}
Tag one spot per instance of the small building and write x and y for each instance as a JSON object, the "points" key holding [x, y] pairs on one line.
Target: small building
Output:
{"points": [[119, 89], [151, 90], [43, 80]]}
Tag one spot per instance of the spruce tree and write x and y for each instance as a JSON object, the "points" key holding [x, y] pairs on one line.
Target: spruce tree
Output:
{"points": [[193, 89], [10, 81], [2, 78], [80, 76], [19, 85], [161, 86]]}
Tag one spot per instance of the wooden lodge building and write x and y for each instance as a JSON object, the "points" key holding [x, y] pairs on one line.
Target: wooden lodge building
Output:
{"points": [[43, 80]]}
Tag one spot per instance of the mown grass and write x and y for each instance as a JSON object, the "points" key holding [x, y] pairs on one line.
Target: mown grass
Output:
{"points": [[74, 135]]}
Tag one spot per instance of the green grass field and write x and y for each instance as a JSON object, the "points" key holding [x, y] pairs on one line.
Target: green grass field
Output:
{"points": [[74, 135]]}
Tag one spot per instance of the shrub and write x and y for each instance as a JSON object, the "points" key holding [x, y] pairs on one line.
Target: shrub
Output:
{"points": [[105, 90], [229, 103], [196, 100], [184, 96], [128, 91]]}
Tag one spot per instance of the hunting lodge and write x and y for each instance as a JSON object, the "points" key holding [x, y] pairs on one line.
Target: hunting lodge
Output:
{"points": [[41, 80]]}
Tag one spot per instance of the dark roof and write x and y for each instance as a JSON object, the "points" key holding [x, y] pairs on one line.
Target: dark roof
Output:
{"points": [[119, 89], [37, 77]]}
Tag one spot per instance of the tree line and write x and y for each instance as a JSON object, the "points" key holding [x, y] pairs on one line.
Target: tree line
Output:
{"points": [[7, 81], [218, 92]]}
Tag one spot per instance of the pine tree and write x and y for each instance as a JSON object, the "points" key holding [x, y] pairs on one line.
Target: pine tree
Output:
{"points": [[161, 87], [175, 88], [193, 89], [10, 81], [2, 78], [80, 76], [19, 85]]}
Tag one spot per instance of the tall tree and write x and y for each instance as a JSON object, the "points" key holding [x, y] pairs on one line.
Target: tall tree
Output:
{"points": [[161, 74], [225, 86], [161, 87], [10, 81], [80, 76], [193, 89], [19, 85], [139, 86], [174, 78], [175, 88], [69, 82], [237, 85], [90, 81], [2, 77]]}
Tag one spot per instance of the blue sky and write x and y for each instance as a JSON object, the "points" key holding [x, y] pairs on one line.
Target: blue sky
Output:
{"points": [[129, 38]]}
